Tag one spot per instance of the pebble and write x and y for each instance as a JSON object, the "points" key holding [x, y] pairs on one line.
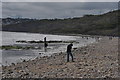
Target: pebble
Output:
{"points": [[95, 64]]}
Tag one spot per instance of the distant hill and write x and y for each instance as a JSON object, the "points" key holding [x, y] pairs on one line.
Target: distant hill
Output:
{"points": [[104, 24], [9, 21]]}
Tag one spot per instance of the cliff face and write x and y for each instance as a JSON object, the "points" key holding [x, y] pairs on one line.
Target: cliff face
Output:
{"points": [[105, 24]]}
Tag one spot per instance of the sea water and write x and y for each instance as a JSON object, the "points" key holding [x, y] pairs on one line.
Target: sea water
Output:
{"points": [[13, 56]]}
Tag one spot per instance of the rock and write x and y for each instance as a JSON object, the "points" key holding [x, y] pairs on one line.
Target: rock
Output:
{"points": [[74, 48], [24, 60], [10, 71], [86, 65], [85, 52], [107, 77], [26, 74], [13, 64]]}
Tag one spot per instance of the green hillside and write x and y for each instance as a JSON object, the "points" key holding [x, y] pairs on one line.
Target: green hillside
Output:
{"points": [[104, 24]]}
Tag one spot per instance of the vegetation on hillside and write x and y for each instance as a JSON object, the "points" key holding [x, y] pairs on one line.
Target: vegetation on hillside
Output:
{"points": [[104, 24], [54, 41]]}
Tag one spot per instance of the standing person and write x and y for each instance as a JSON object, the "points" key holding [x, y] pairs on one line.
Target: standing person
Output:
{"points": [[45, 44], [69, 47]]}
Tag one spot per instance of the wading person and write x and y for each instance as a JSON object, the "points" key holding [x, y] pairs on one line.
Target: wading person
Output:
{"points": [[45, 44], [69, 53]]}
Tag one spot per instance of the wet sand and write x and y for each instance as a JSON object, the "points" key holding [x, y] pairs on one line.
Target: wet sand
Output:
{"points": [[97, 60]]}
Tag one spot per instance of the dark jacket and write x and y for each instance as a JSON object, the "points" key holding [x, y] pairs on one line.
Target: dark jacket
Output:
{"points": [[69, 47]]}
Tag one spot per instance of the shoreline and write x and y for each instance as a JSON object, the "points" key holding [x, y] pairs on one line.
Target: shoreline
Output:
{"points": [[63, 34], [14, 47], [55, 53], [56, 66]]}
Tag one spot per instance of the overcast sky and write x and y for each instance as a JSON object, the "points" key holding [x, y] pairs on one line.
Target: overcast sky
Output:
{"points": [[43, 10], [59, 0]]}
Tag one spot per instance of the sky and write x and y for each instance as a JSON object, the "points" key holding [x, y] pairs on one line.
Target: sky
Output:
{"points": [[51, 10], [59, 0]]}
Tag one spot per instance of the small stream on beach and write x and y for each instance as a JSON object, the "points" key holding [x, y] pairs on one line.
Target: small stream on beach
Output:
{"points": [[18, 55]]}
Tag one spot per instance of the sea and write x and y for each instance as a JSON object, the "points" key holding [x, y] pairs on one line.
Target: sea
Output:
{"points": [[7, 57]]}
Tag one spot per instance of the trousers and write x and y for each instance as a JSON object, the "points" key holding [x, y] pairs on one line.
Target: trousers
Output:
{"points": [[69, 54]]}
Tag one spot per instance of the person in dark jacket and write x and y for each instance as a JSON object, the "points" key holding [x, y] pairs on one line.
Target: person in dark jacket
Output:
{"points": [[45, 44], [69, 47]]}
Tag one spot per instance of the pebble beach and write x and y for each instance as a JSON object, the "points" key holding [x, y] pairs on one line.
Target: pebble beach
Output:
{"points": [[97, 60]]}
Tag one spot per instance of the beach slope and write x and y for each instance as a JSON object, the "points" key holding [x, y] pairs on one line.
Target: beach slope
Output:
{"points": [[97, 60]]}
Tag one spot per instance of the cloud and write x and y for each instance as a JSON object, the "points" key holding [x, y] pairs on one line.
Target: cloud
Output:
{"points": [[0, 10], [44, 10], [60, 0]]}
